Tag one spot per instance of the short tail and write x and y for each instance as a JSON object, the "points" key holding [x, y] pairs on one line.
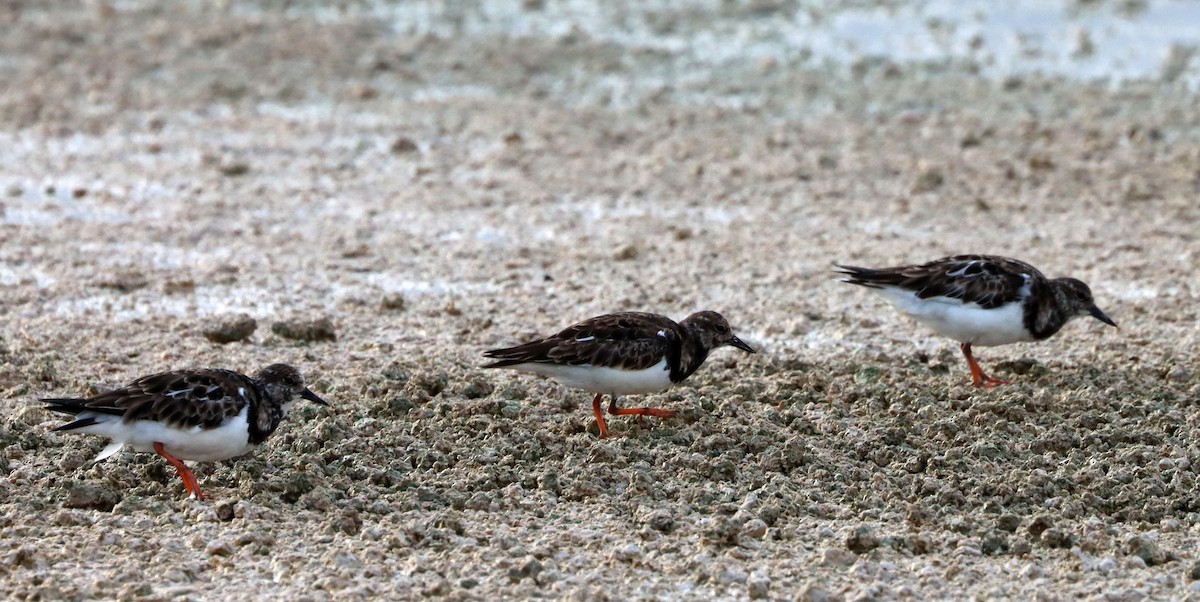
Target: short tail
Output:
{"points": [[504, 361], [869, 277], [521, 354], [65, 405], [73, 407]]}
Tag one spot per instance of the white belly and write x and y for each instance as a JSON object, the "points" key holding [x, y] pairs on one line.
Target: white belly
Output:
{"points": [[229, 440], [605, 380], [963, 322]]}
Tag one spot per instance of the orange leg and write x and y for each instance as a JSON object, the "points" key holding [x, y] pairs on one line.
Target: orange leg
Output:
{"points": [[599, 415], [978, 377], [615, 411], [189, 478]]}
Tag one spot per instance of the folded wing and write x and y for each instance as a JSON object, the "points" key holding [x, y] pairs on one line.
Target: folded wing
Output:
{"points": [[630, 341], [182, 399]]}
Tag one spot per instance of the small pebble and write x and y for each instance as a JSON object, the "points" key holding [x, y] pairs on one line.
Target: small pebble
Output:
{"points": [[754, 529], [628, 553], [1032, 571], [928, 180], [230, 329], [91, 496], [731, 575], [392, 302], [815, 592], [838, 557], [233, 168], [626, 253], [862, 540], [758, 587], [305, 330], [219, 547], [404, 146]]}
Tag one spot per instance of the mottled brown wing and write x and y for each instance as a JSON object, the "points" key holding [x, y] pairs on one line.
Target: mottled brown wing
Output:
{"points": [[986, 280], [630, 340], [184, 398]]}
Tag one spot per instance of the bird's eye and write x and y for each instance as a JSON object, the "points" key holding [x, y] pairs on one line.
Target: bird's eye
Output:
{"points": [[722, 328]]}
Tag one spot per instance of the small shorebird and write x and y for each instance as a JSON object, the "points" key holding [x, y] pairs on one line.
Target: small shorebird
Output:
{"points": [[981, 300], [203, 415], [622, 354]]}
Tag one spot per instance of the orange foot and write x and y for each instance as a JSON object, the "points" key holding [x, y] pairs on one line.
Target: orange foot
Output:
{"points": [[978, 377], [599, 413], [990, 381], [616, 411], [189, 478]]}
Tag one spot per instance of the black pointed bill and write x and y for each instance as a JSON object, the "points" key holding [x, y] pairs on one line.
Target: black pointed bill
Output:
{"points": [[736, 342], [309, 395], [1099, 315]]}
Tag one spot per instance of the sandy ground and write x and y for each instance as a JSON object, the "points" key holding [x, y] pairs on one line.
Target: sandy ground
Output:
{"points": [[439, 194]]}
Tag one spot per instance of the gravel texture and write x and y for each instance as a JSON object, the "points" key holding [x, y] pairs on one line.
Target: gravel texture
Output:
{"points": [[393, 203]]}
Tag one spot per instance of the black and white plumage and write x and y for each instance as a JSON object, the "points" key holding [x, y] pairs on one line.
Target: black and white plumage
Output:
{"points": [[981, 300], [622, 354], [202, 414]]}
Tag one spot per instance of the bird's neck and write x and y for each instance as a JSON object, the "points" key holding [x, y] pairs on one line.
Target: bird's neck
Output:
{"points": [[688, 355], [1047, 310], [265, 416]]}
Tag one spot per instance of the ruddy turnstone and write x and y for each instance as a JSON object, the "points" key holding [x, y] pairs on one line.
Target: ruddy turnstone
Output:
{"points": [[203, 415], [622, 354], [981, 300]]}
